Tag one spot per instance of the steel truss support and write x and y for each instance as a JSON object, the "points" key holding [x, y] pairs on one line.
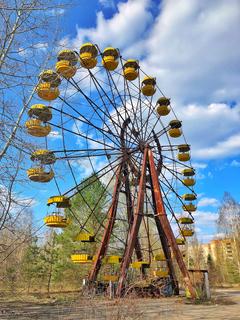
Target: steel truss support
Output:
{"points": [[108, 228], [166, 228], [166, 248], [165, 232], [135, 227], [130, 212]]}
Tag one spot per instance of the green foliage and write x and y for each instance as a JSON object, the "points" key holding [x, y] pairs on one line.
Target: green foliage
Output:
{"points": [[87, 208]]}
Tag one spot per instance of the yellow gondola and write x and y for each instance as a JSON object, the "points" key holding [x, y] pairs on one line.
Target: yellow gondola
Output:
{"points": [[110, 58], [41, 112], [47, 91], [68, 55], [183, 154], [189, 207], [161, 273], [159, 257], [188, 175], [189, 182], [88, 55], [65, 69], [187, 232], [109, 277], [175, 130], [44, 156], [56, 221], [66, 65], [148, 86], [36, 128], [185, 220], [38, 174], [140, 264], [50, 76], [180, 241], [85, 237], [112, 260], [130, 70], [163, 106], [189, 197], [60, 201], [81, 258]]}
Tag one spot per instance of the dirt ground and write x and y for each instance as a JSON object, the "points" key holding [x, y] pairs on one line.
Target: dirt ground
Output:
{"points": [[224, 305]]}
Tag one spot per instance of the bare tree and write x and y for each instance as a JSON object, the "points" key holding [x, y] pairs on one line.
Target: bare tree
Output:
{"points": [[229, 224], [28, 36]]}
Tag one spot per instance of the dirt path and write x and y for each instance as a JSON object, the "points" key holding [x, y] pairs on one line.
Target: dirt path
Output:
{"points": [[226, 306]]}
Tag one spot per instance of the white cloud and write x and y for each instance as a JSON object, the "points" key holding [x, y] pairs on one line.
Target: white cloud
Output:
{"points": [[56, 12], [213, 131], [113, 31], [40, 46], [205, 224], [55, 135], [235, 163], [228, 147], [199, 165], [204, 202], [205, 218], [187, 47]]}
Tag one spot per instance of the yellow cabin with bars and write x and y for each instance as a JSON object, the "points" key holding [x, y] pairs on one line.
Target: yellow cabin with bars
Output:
{"points": [[130, 69], [88, 56], [110, 58], [163, 106]]}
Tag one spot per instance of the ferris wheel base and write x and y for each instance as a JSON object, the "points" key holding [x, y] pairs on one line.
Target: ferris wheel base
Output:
{"points": [[169, 244]]}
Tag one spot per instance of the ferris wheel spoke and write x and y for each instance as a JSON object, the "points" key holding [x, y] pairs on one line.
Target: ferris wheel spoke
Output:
{"points": [[86, 156], [111, 81], [86, 150], [175, 174], [158, 134], [103, 172], [80, 192], [147, 120], [110, 78], [127, 93], [168, 185], [78, 134], [139, 110], [93, 213], [96, 107], [177, 162], [97, 84], [84, 120], [82, 226]]}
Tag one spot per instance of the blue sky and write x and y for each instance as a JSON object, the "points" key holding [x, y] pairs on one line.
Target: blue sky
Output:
{"points": [[192, 47]]}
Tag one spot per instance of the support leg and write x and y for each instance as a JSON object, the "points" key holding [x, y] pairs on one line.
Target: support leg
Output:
{"points": [[108, 228], [135, 228], [162, 216]]}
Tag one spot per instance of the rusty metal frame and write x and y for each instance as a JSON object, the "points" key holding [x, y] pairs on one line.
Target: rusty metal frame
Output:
{"points": [[131, 242], [165, 245], [166, 228], [163, 225], [108, 228], [130, 210]]}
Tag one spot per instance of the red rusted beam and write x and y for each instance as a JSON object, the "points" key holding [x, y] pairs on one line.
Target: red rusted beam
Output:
{"points": [[135, 227], [167, 253], [108, 228], [130, 210], [162, 216]]}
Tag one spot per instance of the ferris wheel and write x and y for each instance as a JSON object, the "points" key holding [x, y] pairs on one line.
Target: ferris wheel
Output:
{"points": [[115, 128]]}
